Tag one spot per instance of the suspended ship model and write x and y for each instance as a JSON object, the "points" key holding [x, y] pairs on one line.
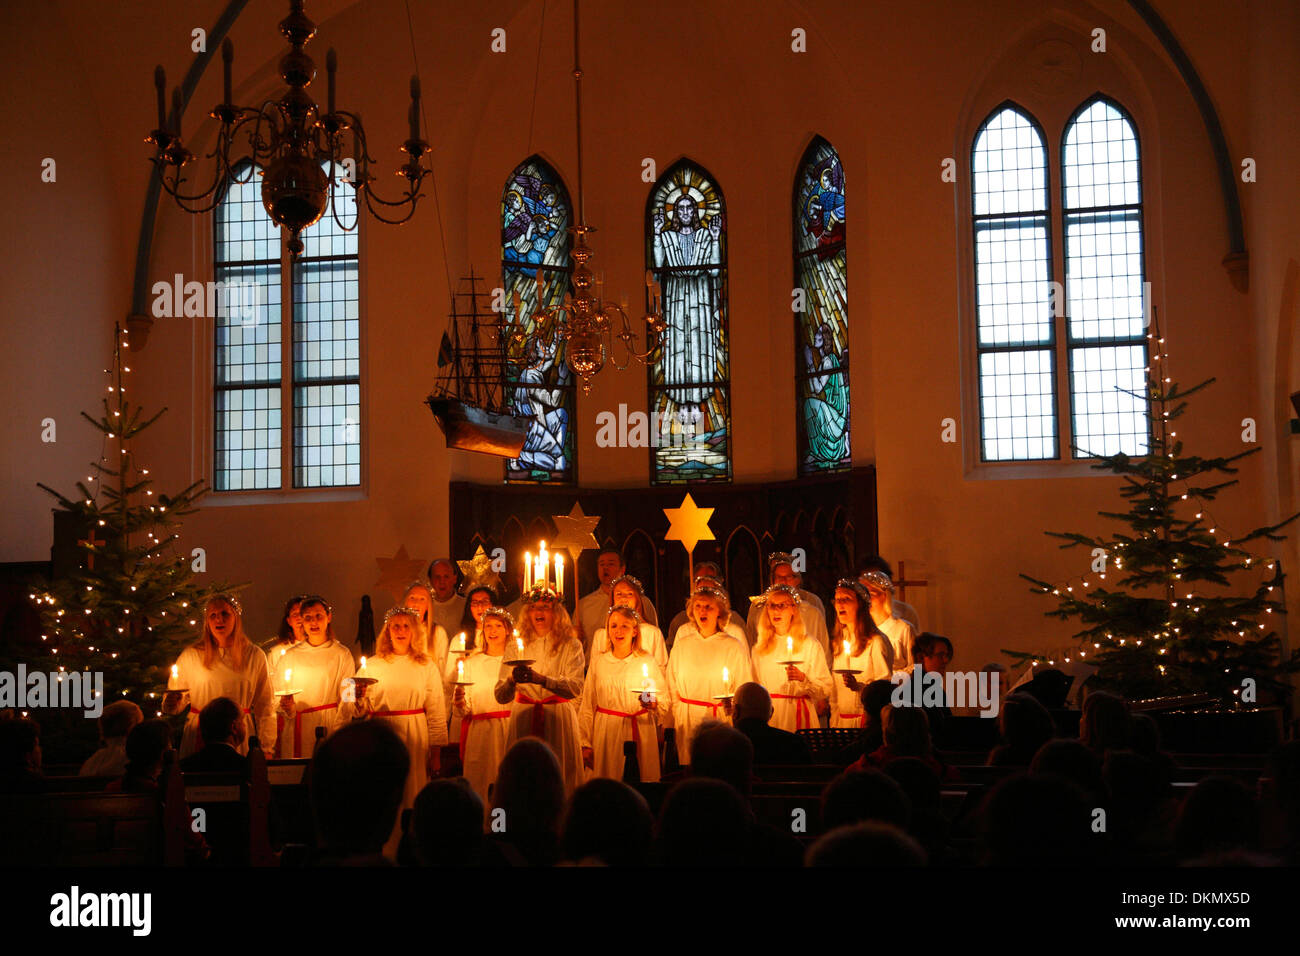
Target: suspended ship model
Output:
{"points": [[470, 400]]}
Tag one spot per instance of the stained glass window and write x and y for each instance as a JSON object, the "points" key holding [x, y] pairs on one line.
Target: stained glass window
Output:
{"points": [[822, 324], [1013, 270], [689, 382], [247, 396], [535, 212], [1102, 213]]}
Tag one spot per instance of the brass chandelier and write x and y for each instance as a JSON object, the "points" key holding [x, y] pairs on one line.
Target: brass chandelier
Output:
{"points": [[292, 141], [584, 321]]}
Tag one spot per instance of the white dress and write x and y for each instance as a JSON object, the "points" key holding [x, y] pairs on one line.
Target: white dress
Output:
{"points": [[319, 672], [695, 676], [652, 642], [482, 732], [409, 699], [900, 636], [610, 708], [447, 613], [248, 686], [592, 610], [794, 703], [876, 663], [551, 715]]}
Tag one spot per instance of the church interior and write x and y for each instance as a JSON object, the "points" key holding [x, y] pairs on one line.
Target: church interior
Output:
{"points": [[1060, 209]]}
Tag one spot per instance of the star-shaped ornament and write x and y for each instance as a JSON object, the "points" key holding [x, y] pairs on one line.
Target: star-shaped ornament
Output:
{"points": [[397, 572], [478, 573], [575, 532], [688, 524]]}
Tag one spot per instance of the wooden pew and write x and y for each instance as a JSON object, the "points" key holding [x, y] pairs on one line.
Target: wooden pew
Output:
{"points": [[82, 829], [238, 807]]}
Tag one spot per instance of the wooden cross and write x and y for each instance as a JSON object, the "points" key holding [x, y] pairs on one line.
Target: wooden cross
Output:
{"points": [[902, 583], [90, 542]]}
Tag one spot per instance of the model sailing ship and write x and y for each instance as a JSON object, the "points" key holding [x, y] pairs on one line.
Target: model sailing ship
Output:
{"points": [[470, 400]]}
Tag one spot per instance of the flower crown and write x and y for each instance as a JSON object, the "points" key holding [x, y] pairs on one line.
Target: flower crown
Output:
{"points": [[408, 611], [541, 592]]}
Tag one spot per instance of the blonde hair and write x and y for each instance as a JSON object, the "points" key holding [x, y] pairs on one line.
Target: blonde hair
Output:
{"points": [[629, 613], [767, 633], [506, 620], [419, 648], [424, 622], [718, 597], [561, 630], [208, 647]]}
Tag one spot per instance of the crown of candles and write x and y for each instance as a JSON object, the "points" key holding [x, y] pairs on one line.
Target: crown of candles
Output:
{"points": [[537, 572]]}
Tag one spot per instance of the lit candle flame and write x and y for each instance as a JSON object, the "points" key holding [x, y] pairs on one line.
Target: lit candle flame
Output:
{"points": [[789, 645], [847, 656], [176, 671], [288, 672], [726, 680], [460, 671], [520, 642], [363, 664]]}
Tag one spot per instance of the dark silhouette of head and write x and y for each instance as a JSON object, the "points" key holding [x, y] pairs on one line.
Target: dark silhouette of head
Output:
{"points": [[1025, 726], [1073, 761], [723, 753], [752, 702], [907, 732], [859, 795], [530, 790], [875, 698], [221, 722], [146, 744], [1218, 816], [20, 745], [118, 718], [1035, 821], [866, 844], [1105, 724], [608, 822], [920, 782], [703, 823], [447, 823], [358, 776]]}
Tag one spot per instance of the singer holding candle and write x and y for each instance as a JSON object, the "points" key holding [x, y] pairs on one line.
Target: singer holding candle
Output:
{"points": [[799, 690], [702, 650], [618, 704], [320, 665], [858, 645], [542, 695], [483, 723], [626, 591]]}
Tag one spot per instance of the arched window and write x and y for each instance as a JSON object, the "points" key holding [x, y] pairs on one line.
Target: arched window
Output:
{"points": [[1101, 186], [251, 367], [1015, 333], [690, 382], [821, 347], [535, 212]]}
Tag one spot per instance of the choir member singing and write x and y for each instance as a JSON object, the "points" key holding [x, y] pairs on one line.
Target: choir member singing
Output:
{"points": [[624, 699], [593, 607], [781, 568], [406, 695], [447, 606], [483, 722], [789, 662], [223, 663], [899, 632], [419, 596], [317, 668], [707, 663], [467, 637], [291, 630], [860, 647], [627, 592], [542, 693]]}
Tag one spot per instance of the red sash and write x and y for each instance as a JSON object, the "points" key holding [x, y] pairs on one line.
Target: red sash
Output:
{"points": [[396, 713], [860, 718], [631, 721], [713, 705], [538, 713], [297, 725], [465, 722], [802, 719]]}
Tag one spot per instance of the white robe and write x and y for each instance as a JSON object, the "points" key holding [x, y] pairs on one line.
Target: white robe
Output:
{"points": [[436, 646], [695, 674], [876, 663], [405, 685], [565, 667], [592, 610], [319, 672], [249, 687], [609, 687], [652, 642], [448, 613], [794, 703], [814, 621], [485, 728], [733, 628], [449, 675], [900, 636]]}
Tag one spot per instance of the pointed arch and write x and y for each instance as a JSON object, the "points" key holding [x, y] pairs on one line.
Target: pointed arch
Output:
{"points": [[689, 382], [821, 326], [535, 215]]}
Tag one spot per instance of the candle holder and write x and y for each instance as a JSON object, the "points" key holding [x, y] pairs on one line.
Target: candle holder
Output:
{"points": [[462, 683], [724, 696], [789, 663], [520, 662], [846, 670], [290, 693], [359, 684]]}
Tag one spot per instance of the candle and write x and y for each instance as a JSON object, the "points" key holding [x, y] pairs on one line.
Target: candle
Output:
{"points": [[460, 671], [846, 652], [528, 571], [363, 666], [176, 676], [176, 109], [356, 141], [726, 681], [645, 674], [519, 642], [541, 569], [559, 574], [789, 645], [460, 641]]}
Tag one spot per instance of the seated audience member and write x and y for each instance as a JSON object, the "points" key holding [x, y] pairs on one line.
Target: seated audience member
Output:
{"points": [[907, 734], [1105, 723], [1218, 817], [529, 790], [607, 823], [1141, 807], [934, 653], [1036, 821], [358, 777], [146, 747], [927, 825], [1280, 793], [114, 724], [875, 698], [221, 728], [20, 756], [859, 795], [1073, 761], [1024, 725], [752, 711], [1146, 741], [866, 844], [704, 822], [446, 826]]}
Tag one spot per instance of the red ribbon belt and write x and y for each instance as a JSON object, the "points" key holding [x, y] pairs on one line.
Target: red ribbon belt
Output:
{"points": [[398, 713], [802, 719], [632, 722], [297, 725], [538, 713], [465, 722], [860, 718], [711, 704]]}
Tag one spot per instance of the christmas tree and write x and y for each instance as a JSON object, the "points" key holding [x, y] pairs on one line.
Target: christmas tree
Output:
{"points": [[136, 602], [1173, 605]]}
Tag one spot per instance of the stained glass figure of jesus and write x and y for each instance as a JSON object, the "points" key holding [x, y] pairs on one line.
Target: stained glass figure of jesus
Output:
{"points": [[690, 251]]}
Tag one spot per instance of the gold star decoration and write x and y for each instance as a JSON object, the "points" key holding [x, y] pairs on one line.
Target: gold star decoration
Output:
{"points": [[397, 572], [478, 573], [575, 532], [688, 524]]}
